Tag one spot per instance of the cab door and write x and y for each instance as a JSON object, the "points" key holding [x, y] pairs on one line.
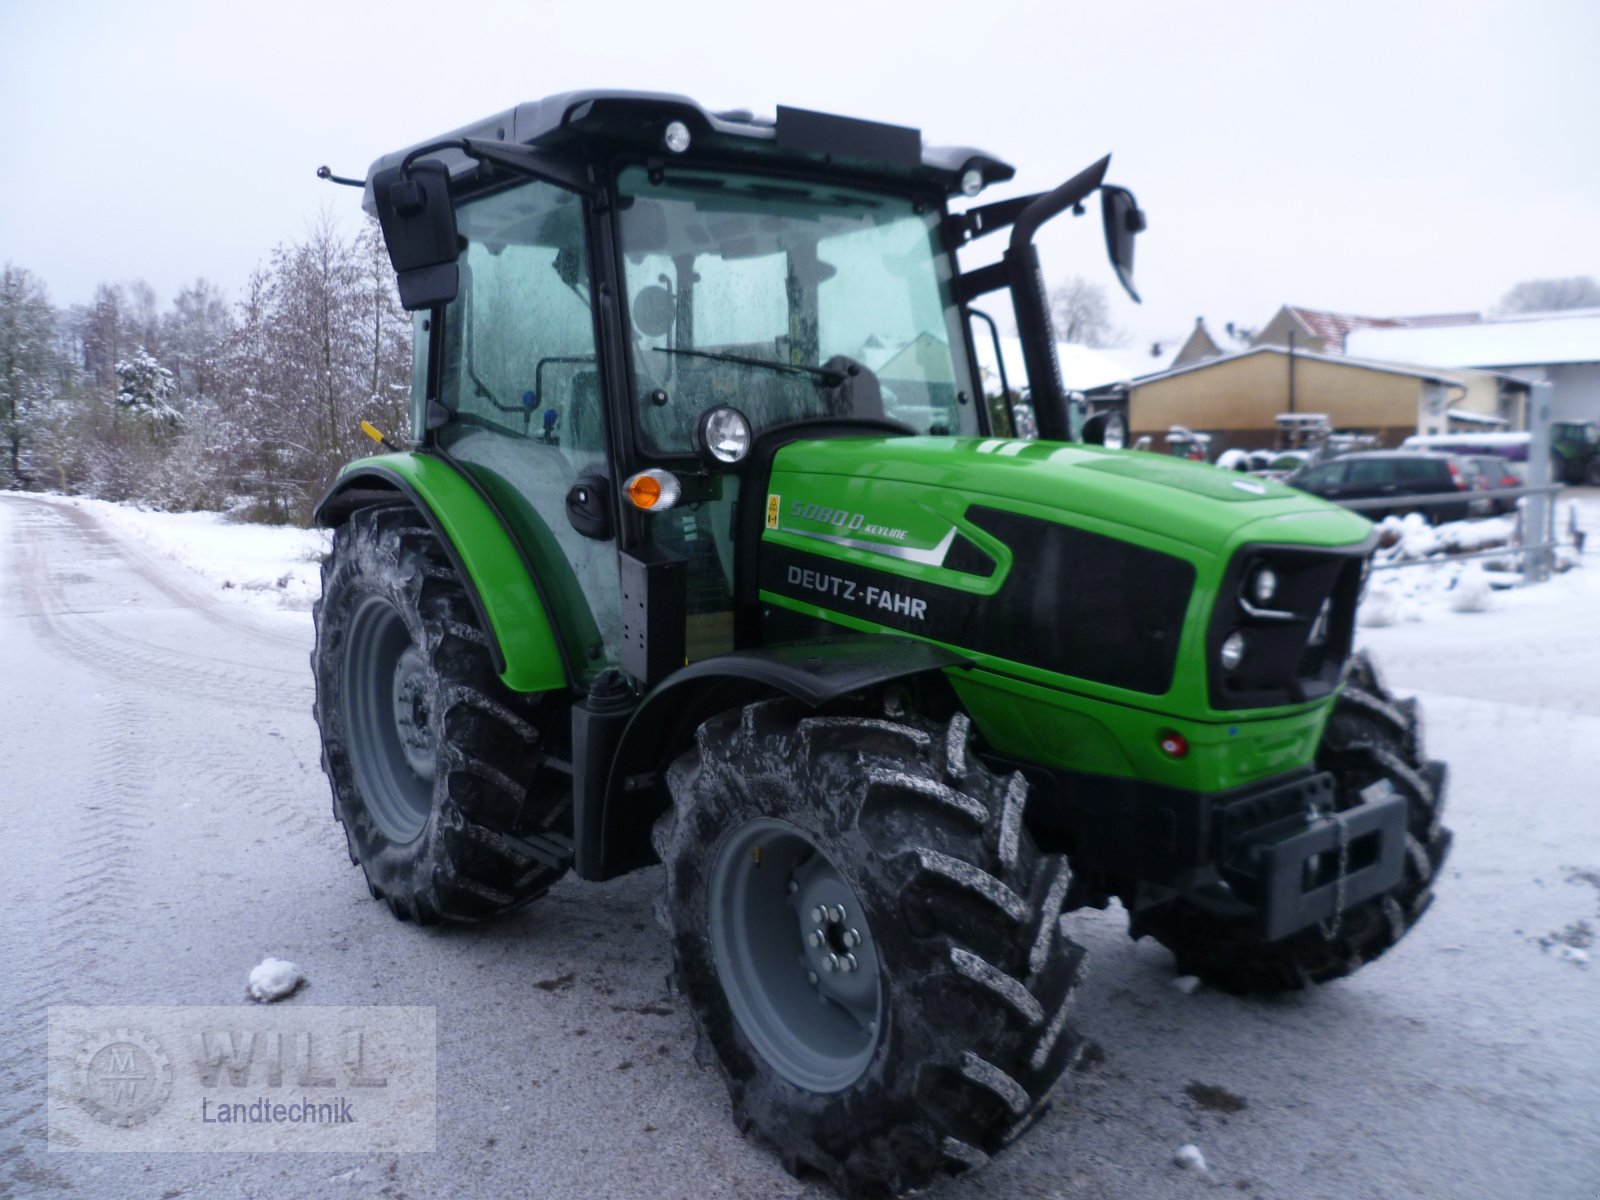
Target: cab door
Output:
{"points": [[518, 372]]}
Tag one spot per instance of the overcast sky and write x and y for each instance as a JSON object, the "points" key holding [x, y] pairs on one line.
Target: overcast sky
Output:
{"points": [[1378, 158]]}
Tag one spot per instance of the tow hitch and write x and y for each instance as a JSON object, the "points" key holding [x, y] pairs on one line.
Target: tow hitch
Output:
{"points": [[1316, 864]]}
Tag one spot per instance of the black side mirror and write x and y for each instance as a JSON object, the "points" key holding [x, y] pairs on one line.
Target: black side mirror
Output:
{"points": [[419, 230], [1124, 221]]}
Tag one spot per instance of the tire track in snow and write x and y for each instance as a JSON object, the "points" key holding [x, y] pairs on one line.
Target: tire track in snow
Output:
{"points": [[162, 575], [126, 660], [91, 889]]}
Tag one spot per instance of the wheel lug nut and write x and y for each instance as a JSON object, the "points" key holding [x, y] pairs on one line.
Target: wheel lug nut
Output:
{"points": [[811, 977], [794, 886], [831, 963], [852, 937], [836, 914], [816, 937], [817, 915], [850, 963]]}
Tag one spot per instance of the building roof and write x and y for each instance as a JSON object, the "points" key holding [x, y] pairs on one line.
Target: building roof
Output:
{"points": [[1146, 358], [1338, 360], [1335, 328], [1526, 340], [1082, 368]]}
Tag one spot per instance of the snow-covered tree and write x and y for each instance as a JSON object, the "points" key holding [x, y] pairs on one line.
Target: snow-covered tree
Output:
{"points": [[27, 370], [1550, 295], [147, 389]]}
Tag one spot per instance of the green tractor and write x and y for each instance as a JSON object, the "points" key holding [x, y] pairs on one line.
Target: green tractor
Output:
{"points": [[1575, 452], [702, 553]]}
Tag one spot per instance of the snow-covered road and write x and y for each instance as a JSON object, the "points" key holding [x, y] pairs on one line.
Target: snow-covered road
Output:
{"points": [[166, 825]]}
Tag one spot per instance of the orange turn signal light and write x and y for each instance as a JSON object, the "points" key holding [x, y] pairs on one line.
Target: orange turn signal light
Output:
{"points": [[654, 490]]}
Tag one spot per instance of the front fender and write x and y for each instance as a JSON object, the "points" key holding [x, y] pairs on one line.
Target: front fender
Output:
{"points": [[502, 588], [612, 816]]}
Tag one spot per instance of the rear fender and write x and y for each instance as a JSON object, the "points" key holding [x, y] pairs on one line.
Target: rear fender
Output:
{"points": [[503, 590]]}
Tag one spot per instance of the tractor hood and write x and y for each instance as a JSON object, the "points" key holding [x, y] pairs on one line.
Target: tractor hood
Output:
{"points": [[1091, 590], [851, 482]]}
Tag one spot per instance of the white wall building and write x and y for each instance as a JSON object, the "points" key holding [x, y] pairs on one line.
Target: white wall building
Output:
{"points": [[1561, 349]]}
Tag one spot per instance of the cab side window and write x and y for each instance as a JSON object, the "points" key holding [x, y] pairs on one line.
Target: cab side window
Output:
{"points": [[519, 352]]}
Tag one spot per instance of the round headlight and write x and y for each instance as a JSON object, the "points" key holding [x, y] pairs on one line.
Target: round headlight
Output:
{"points": [[1264, 586], [971, 181], [1232, 652], [724, 434], [677, 137]]}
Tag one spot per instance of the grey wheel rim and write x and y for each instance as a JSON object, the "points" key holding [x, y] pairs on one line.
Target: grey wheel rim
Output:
{"points": [[795, 956], [386, 690]]}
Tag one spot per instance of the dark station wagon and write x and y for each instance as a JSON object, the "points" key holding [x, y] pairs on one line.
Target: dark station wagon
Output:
{"points": [[1439, 486]]}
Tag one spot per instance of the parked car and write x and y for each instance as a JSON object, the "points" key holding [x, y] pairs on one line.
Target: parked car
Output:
{"points": [[1416, 481], [1492, 473], [1284, 463]]}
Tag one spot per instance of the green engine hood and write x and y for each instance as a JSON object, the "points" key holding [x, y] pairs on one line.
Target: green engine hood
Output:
{"points": [[1089, 648], [1167, 498]]}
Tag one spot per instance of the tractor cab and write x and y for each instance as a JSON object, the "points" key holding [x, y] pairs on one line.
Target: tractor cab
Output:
{"points": [[619, 296]]}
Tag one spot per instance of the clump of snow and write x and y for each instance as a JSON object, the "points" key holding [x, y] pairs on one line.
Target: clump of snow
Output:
{"points": [[1189, 1157], [273, 979], [1232, 460], [1410, 538], [1380, 608], [1187, 984], [1574, 954], [1472, 591]]}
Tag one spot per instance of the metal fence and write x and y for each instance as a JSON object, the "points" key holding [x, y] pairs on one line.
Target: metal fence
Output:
{"points": [[1537, 556]]}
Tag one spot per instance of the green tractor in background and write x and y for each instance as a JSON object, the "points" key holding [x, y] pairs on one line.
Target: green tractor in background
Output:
{"points": [[703, 554], [1575, 452]]}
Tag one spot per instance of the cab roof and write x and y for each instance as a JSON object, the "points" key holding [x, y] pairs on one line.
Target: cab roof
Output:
{"points": [[622, 121]]}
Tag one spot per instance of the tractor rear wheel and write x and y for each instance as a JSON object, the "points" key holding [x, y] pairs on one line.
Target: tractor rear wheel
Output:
{"points": [[433, 762], [869, 940], [1370, 737]]}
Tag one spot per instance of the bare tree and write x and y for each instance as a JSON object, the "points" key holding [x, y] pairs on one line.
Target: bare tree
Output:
{"points": [[195, 334], [1081, 313], [1551, 295]]}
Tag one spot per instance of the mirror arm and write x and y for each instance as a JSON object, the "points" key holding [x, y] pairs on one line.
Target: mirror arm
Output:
{"points": [[1031, 300]]}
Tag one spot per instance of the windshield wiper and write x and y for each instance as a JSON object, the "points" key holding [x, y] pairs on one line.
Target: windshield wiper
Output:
{"points": [[830, 377]]}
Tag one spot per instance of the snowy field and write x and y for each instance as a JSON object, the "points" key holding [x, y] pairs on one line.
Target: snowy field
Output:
{"points": [[168, 827]]}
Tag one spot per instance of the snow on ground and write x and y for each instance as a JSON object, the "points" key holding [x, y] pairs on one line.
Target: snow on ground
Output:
{"points": [[273, 565], [1408, 587]]}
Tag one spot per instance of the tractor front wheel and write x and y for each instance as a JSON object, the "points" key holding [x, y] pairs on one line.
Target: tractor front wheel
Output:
{"points": [[869, 940], [1370, 737], [433, 762]]}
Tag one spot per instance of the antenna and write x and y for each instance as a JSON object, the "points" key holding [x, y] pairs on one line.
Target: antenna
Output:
{"points": [[325, 172]]}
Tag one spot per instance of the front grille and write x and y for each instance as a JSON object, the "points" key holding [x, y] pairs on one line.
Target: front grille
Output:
{"points": [[1296, 644], [1085, 605]]}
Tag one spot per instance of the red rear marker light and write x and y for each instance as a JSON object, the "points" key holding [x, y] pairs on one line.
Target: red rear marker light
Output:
{"points": [[1174, 744]]}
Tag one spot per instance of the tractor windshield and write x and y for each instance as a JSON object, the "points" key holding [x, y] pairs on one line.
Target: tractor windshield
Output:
{"points": [[787, 300]]}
